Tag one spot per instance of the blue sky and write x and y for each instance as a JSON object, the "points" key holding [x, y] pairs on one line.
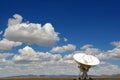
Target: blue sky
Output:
{"points": [[79, 25], [91, 20]]}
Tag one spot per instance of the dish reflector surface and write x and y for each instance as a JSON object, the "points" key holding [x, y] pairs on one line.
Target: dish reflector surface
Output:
{"points": [[82, 58]]}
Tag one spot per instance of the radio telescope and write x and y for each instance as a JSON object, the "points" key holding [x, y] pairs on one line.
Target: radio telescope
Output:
{"points": [[85, 62]]}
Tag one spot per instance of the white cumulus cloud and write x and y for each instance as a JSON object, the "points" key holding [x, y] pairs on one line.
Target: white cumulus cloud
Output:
{"points": [[27, 55], [109, 54], [86, 46], [116, 43], [3, 57], [44, 63], [105, 69], [7, 45], [16, 20], [113, 53], [69, 47], [30, 32], [88, 49], [39, 63]]}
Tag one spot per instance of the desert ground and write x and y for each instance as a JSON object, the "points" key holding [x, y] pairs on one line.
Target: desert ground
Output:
{"points": [[55, 79]]}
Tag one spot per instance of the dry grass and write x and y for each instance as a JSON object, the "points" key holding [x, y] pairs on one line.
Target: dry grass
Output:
{"points": [[56, 79]]}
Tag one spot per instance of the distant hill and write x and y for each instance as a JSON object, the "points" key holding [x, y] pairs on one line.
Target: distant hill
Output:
{"points": [[110, 76], [44, 76], [63, 76]]}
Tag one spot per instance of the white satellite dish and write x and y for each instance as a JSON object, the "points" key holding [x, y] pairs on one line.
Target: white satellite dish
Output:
{"points": [[85, 62], [82, 58]]}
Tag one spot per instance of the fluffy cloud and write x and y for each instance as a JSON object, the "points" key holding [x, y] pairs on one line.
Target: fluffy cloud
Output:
{"points": [[28, 61], [62, 49], [30, 32], [105, 68], [39, 63], [102, 56], [58, 68], [88, 49], [112, 54], [85, 47], [116, 43], [36, 69], [16, 20], [109, 54], [3, 57], [27, 55], [7, 45], [68, 57]]}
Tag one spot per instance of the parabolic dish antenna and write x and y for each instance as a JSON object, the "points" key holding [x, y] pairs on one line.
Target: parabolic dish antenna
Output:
{"points": [[82, 58], [85, 62]]}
